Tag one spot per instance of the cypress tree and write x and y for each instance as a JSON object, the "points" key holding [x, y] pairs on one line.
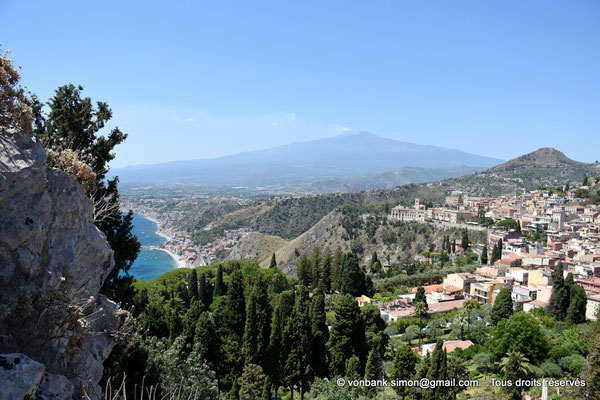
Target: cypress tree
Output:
{"points": [[559, 300], [257, 328], [326, 271], [320, 335], [204, 292], [347, 335], [267, 389], [405, 363], [352, 278], [336, 269], [465, 240], [298, 340], [420, 295], [373, 371], [304, 271], [206, 342], [503, 306], [484, 255], [193, 286], [220, 289], [577, 305], [277, 351], [273, 261]]}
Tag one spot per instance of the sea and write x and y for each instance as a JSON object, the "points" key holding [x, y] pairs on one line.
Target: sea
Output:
{"points": [[150, 263]]}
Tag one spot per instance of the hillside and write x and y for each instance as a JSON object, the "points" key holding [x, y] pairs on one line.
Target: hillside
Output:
{"points": [[307, 162]]}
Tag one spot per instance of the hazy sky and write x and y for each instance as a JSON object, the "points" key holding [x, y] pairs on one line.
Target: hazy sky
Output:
{"points": [[191, 80]]}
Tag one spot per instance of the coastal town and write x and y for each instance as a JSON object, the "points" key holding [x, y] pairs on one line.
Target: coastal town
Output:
{"points": [[179, 243], [531, 233]]}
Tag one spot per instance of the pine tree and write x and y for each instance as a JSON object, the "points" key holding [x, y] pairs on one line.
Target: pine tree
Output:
{"points": [[220, 289], [405, 362], [503, 306], [273, 261], [347, 335], [73, 123], [193, 286]]}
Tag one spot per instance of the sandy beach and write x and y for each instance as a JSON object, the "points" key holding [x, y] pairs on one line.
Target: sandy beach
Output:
{"points": [[181, 263]]}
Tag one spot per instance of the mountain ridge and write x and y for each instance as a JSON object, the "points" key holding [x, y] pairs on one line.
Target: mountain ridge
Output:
{"points": [[304, 162]]}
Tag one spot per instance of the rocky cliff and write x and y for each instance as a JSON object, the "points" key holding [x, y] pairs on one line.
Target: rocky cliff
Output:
{"points": [[55, 327]]}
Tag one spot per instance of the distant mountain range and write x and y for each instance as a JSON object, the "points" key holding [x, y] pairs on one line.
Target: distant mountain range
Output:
{"points": [[346, 162]]}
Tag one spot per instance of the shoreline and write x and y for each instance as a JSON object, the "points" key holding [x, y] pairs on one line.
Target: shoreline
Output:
{"points": [[181, 263]]}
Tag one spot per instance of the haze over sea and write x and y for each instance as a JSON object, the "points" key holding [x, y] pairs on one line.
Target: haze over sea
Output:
{"points": [[150, 263]]}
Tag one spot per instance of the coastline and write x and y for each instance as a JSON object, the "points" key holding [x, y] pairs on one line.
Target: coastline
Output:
{"points": [[181, 263]]}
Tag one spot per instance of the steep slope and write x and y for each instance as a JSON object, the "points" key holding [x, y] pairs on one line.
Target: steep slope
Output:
{"points": [[297, 163]]}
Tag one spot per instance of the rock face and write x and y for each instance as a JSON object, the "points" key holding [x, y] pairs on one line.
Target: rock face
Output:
{"points": [[53, 261]]}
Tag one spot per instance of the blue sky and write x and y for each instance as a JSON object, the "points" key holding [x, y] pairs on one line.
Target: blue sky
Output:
{"points": [[191, 80]]}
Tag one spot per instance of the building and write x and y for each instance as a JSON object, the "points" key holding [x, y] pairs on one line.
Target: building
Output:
{"points": [[483, 291], [400, 213], [591, 285], [364, 301], [592, 307], [449, 346]]}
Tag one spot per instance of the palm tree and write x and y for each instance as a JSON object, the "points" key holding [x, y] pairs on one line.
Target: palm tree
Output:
{"points": [[461, 321], [421, 310], [514, 366], [470, 305]]}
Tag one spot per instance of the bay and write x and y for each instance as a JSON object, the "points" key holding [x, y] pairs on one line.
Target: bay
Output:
{"points": [[150, 263]]}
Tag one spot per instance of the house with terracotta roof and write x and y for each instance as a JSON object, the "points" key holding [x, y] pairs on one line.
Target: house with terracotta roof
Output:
{"points": [[449, 346]]}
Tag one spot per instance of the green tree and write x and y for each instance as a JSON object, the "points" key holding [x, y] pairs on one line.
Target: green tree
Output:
{"points": [[420, 295], [204, 291], [220, 289], [336, 268], [347, 335], [206, 342], [251, 382], [74, 123], [277, 351], [304, 271], [352, 278], [577, 305], [484, 255], [273, 263], [464, 243], [457, 370], [373, 371], [559, 300], [405, 363], [522, 333], [469, 305], [496, 252], [267, 393], [421, 310], [193, 285], [437, 371], [297, 337], [515, 366], [257, 329], [503, 306], [320, 335]]}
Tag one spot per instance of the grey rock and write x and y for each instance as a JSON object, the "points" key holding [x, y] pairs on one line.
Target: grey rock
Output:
{"points": [[20, 376], [49, 244]]}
